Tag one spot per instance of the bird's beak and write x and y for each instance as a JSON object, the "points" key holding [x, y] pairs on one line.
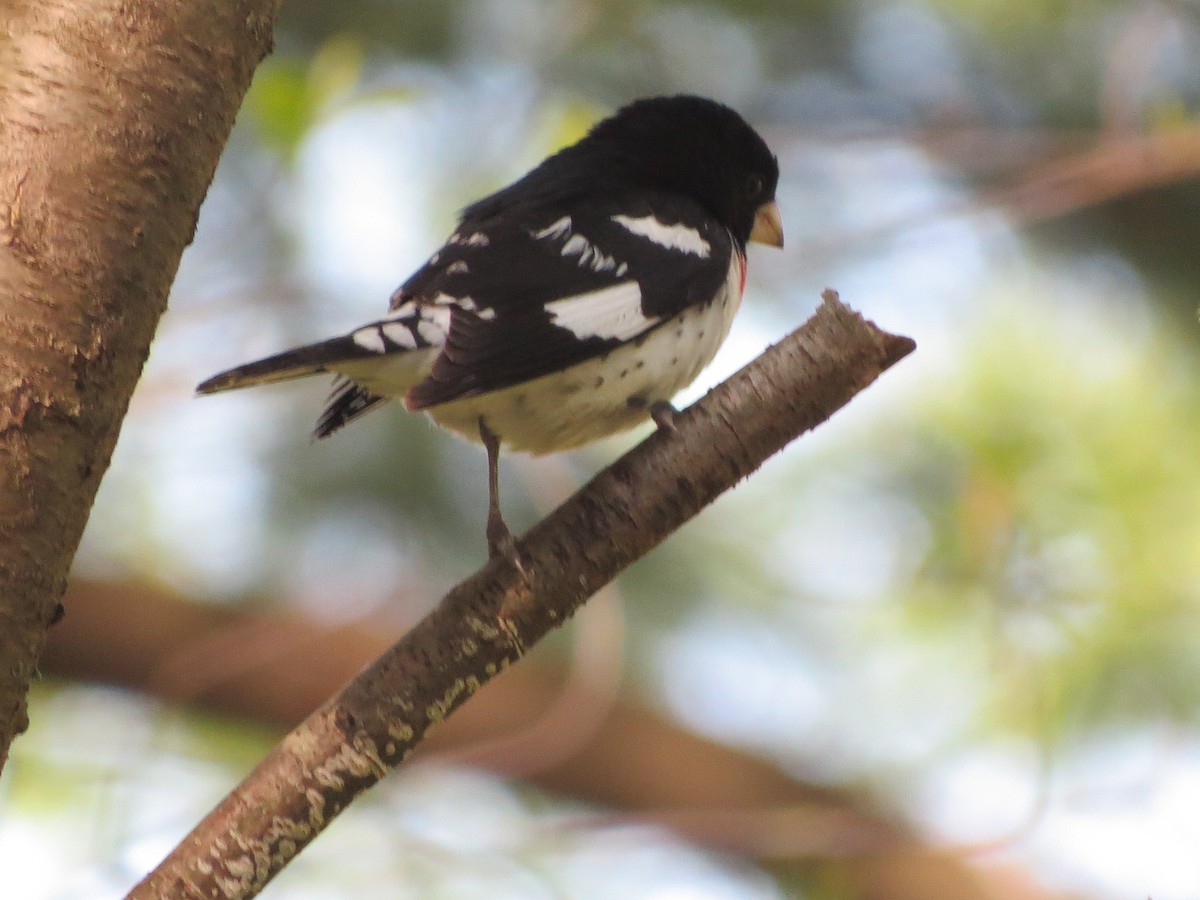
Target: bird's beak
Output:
{"points": [[768, 225]]}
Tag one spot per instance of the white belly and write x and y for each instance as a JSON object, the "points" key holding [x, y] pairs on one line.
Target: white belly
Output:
{"points": [[601, 396]]}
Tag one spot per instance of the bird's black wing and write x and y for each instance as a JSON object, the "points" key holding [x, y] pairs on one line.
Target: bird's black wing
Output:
{"points": [[535, 293]]}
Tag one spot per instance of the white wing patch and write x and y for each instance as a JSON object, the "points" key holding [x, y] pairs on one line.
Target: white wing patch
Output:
{"points": [[399, 334], [403, 311], [614, 312], [434, 324], [370, 338], [589, 255], [411, 326], [675, 237], [439, 315], [475, 239], [559, 228]]}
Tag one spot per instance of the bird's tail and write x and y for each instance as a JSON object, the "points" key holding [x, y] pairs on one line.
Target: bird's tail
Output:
{"points": [[366, 361], [311, 359], [348, 400]]}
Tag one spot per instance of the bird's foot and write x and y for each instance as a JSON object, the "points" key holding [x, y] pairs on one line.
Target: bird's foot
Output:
{"points": [[502, 543], [661, 411], [663, 414]]}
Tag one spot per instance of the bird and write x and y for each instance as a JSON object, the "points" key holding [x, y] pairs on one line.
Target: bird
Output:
{"points": [[570, 305]]}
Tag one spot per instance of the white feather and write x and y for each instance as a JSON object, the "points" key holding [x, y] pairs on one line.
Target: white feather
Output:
{"points": [[559, 228], [398, 334], [612, 312], [369, 338], [675, 237]]}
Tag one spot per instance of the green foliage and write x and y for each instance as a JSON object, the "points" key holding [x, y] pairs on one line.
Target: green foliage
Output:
{"points": [[422, 29], [1016, 14], [290, 94], [1064, 462]]}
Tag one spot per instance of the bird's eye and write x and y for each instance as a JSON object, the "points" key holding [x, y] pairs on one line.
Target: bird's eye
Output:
{"points": [[754, 186]]}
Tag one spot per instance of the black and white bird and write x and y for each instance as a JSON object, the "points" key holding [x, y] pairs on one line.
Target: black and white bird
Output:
{"points": [[573, 303]]}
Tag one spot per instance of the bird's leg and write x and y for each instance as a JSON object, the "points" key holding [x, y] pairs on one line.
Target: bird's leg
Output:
{"points": [[661, 411], [500, 540]]}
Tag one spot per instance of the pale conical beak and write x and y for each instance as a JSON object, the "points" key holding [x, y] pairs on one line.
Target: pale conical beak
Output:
{"points": [[768, 225]]}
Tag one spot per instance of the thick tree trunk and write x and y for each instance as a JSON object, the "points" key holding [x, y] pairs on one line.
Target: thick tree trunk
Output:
{"points": [[112, 117]]}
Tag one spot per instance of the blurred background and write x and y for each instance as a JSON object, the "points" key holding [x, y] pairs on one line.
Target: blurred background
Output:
{"points": [[946, 646]]}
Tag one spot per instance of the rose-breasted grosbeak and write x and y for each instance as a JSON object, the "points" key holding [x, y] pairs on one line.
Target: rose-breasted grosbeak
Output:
{"points": [[573, 303]]}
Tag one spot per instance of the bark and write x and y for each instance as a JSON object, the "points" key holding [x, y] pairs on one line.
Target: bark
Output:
{"points": [[112, 118], [488, 621]]}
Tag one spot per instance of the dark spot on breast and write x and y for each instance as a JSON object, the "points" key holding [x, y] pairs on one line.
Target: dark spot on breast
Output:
{"points": [[640, 364], [599, 382], [701, 333], [624, 372], [674, 360]]}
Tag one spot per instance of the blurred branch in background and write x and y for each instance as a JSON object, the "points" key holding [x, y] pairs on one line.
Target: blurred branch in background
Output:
{"points": [[1029, 176], [1117, 165], [632, 761]]}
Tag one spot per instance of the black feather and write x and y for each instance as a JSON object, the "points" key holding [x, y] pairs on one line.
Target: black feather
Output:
{"points": [[347, 403], [308, 360]]}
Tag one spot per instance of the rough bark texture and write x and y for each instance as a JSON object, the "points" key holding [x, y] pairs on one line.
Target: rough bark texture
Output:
{"points": [[112, 118], [488, 621]]}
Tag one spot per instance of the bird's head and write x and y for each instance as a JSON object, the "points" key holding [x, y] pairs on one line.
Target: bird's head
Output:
{"points": [[701, 148]]}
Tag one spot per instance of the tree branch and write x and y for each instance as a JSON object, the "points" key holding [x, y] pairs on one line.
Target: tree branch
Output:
{"points": [[487, 621], [112, 118]]}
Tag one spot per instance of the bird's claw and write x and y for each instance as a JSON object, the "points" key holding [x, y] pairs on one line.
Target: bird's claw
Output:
{"points": [[663, 414], [502, 543]]}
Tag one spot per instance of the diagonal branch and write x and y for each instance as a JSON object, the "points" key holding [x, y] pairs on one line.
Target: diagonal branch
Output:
{"points": [[487, 621]]}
